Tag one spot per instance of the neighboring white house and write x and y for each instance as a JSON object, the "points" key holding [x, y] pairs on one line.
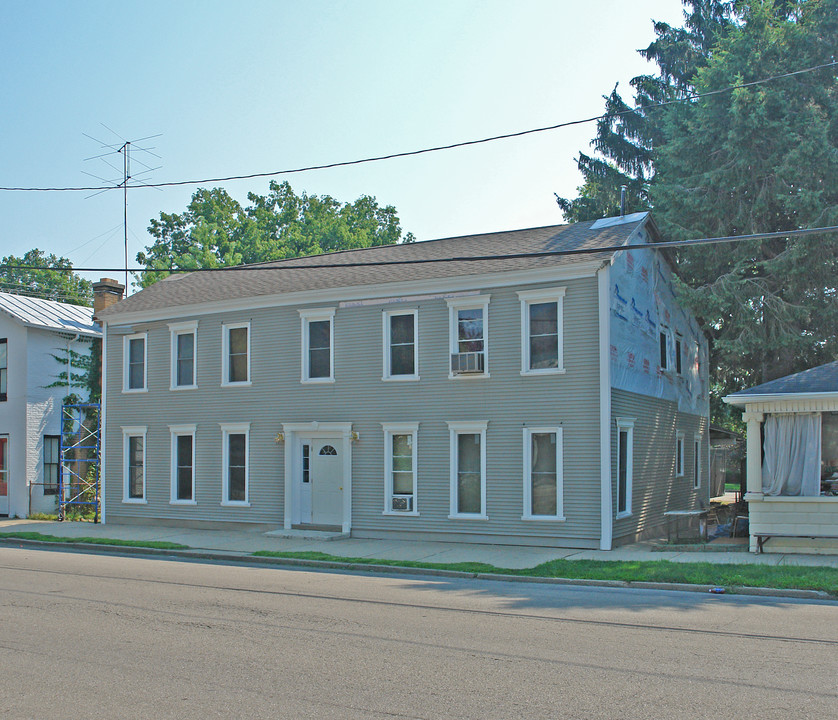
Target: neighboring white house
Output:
{"points": [[793, 461], [37, 338]]}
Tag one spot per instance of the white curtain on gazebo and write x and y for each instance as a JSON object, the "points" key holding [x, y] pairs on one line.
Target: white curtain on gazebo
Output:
{"points": [[792, 454]]}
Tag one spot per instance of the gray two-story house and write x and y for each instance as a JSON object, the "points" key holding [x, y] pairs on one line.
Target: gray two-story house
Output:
{"points": [[539, 386]]}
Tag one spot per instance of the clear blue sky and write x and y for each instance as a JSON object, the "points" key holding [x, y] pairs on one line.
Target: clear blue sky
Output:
{"points": [[236, 88]]}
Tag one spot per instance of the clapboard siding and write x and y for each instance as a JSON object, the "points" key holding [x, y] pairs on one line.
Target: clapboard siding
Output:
{"points": [[506, 400], [655, 487]]}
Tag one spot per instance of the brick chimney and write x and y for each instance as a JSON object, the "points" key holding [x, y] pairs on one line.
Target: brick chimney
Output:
{"points": [[106, 292]]}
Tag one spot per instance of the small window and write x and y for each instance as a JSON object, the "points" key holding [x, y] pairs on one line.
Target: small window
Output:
{"points": [[468, 469], [679, 454], [541, 331], [183, 464], [236, 440], [317, 345], [328, 450], [184, 356], [678, 361], [236, 354], [4, 366], [625, 459], [663, 343], [134, 350], [697, 462], [52, 464], [306, 463], [400, 345], [400, 468], [543, 473]]}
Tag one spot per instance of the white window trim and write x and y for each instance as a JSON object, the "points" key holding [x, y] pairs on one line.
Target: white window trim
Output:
{"points": [[129, 431], [467, 428], [528, 433], [697, 461], [531, 297], [126, 340], [183, 328], [225, 355], [228, 429], [467, 303], [175, 431], [391, 429], [680, 445], [387, 374], [314, 315], [627, 424]]}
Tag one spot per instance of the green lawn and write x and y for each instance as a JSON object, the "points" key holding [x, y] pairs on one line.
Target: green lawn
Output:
{"points": [[156, 544], [701, 573]]}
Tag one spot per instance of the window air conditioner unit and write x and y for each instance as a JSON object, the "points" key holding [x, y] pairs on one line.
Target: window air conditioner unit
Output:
{"points": [[403, 503], [468, 362]]}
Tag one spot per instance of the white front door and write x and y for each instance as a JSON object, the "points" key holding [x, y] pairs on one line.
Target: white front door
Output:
{"points": [[326, 481], [4, 475]]}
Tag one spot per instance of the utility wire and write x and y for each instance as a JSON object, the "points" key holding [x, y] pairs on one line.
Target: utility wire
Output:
{"points": [[437, 148], [283, 264]]}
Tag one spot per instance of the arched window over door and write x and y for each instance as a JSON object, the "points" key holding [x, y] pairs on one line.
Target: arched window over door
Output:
{"points": [[328, 450]]}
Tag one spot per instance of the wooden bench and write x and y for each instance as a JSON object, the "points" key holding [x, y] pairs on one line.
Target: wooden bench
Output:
{"points": [[763, 538]]}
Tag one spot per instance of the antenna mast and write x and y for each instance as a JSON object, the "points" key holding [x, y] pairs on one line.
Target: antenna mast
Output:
{"points": [[126, 175]]}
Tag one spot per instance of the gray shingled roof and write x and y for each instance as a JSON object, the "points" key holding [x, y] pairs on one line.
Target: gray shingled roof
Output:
{"points": [[318, 272], [50, 315], [821, 379]]}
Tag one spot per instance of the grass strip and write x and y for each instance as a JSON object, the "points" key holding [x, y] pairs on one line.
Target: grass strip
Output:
{"points": [[728, 575], [156, 544]]}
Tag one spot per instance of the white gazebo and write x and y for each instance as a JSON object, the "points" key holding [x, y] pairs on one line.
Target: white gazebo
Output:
{"points": [[792, 461]]}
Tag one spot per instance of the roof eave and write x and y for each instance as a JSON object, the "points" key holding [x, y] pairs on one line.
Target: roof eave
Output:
{"points": [[738, 399]]}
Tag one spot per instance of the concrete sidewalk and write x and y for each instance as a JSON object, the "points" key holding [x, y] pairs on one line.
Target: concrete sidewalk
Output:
{"points": [[237, 543]]}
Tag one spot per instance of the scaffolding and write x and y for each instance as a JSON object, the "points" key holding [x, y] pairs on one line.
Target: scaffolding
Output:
{"points": [[80, 448]]}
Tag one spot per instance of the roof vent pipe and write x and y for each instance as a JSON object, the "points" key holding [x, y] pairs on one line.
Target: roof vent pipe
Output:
{"points": [[622, 200]]}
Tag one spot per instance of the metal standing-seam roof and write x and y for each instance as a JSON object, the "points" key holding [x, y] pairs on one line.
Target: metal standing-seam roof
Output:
{"points": [[50, 315], [491, 252]]}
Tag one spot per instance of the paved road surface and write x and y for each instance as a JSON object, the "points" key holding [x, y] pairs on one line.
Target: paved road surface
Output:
{"points": [[84, 636]]}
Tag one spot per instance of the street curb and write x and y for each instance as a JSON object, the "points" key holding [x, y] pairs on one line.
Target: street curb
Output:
{"points": [[251, 559]]}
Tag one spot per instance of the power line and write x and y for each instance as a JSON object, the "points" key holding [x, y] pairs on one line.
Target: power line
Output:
{"points": [[280, 265], [437, 148]]}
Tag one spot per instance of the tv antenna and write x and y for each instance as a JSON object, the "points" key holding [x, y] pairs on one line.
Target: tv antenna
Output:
{"points": [[123, 148]]}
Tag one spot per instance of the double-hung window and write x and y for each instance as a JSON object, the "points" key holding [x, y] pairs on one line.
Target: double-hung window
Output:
{"points": [[625, 460], [134, 353], [52, 464], [679, 367], [133, 464], [400, 468], [183, 464], [468, 320], [235, 353], [234, 463], [541, 331], [543, 491], [401, 346], [318, 351], [679, 454], [697, 462], [468, 469], [663, 348], [184, 341], [4, 367]]}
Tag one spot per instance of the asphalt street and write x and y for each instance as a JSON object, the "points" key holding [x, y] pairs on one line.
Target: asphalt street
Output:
{"points": [[104, 636]]}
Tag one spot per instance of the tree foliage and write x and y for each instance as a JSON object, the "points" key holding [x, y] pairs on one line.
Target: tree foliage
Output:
{"points": [[216, 231], [59, 283], [762, 158]]}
